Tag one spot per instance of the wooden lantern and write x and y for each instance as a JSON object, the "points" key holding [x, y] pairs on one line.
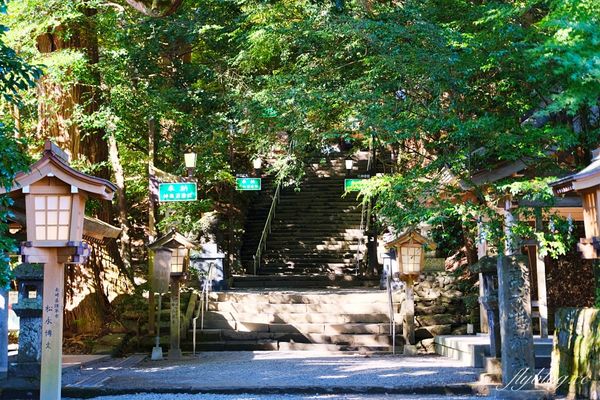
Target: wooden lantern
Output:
{"points": [[410, 251], [586, 184], [55, 196], [180, 247]]}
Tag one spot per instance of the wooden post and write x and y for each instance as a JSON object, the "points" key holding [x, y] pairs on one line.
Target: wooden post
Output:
{"points": [[484, 326], [409, 313], [3, 333], [175, 350], [52, 326], [541, 280], [151, 222]]}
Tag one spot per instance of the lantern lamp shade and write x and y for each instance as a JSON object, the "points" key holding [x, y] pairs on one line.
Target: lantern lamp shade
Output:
{"points": [[190, 160], [56, 213], [348, 163], [179, 261], [257, 163], [411, 259]]}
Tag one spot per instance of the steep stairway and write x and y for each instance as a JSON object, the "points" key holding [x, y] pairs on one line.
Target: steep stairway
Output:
{"points": [[314, 235], [319, 320]]}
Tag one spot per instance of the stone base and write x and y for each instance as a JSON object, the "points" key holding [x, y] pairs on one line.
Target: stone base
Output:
{"points": [[506, 394], [175, 354], [410, 350], [28, 370], [157, 353]]}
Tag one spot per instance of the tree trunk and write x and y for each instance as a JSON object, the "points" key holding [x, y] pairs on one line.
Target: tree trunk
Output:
{"points": [[125, 243]]}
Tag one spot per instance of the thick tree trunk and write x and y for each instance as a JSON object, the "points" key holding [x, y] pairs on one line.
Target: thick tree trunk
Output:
{"points": [[57, 102], [124, 244]]}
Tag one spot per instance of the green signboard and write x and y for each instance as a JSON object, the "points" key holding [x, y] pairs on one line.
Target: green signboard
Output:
{"points": [[353, 185], [247, 183], [177, 191]]}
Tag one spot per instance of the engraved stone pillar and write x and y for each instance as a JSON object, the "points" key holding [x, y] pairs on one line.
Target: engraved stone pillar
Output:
{"points": [[518, 362], [175, 350]]}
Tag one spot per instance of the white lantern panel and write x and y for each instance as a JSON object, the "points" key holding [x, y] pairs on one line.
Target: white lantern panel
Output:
{"points": [[52, 202], [40, 233], [65, 203], [40, 218], [51, 232], [40, 203], [64, 217], [52, 217], [63, 233], [178, 260], [411, 259]]}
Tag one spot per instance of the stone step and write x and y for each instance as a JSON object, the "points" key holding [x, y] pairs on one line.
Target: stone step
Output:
{"points": [[213, 335], [287, 322], [380, 307], [260, 345], [299, 297], [266, 271], [283, 282]]}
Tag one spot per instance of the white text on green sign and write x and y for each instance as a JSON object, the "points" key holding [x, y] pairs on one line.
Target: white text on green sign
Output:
{"points": [[177, 191], [248, 183], [354, 185]]}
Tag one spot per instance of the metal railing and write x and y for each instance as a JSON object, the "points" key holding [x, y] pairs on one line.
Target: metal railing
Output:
{"points": [[392, 314], [365, 219], [204, 298], [262, 244]]}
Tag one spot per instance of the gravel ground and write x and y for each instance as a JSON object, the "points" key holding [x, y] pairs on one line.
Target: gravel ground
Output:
{"points": [[151, 396], [264, 370]]}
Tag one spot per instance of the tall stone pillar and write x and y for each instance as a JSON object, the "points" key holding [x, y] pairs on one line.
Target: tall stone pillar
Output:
{"points": [[175, 350], [518, 361]]}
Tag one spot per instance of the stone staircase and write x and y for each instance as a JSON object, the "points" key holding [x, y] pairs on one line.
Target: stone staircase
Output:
{"points": [[355, 320], [314, 235]]}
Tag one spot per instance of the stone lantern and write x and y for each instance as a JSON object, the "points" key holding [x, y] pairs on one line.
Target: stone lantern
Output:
{"points": [[586, 183], [179, 263], [30, 282], [55, 195], [410, 251]]}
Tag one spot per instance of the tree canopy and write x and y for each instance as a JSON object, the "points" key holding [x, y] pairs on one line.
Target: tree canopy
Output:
{"points": [[458, 86]]}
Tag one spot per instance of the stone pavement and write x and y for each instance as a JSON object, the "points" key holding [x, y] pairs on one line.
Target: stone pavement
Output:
{"points": [[247, 396], [274, 373]]}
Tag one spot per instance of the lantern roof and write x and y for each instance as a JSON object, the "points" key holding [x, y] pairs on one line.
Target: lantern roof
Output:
{"points": [[584, 179], [55, 163], [409, 236], [172, 239]]}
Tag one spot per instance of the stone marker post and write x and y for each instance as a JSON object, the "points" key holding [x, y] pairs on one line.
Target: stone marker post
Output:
{"points": [[175, 350], [518, 360]]}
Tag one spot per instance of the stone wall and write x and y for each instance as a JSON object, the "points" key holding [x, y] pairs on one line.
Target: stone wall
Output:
{"points": [[576, 353], [439, 309]]}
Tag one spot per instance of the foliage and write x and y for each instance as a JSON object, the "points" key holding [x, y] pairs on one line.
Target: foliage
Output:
{"points": [[15, 76], [455, 87]]}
